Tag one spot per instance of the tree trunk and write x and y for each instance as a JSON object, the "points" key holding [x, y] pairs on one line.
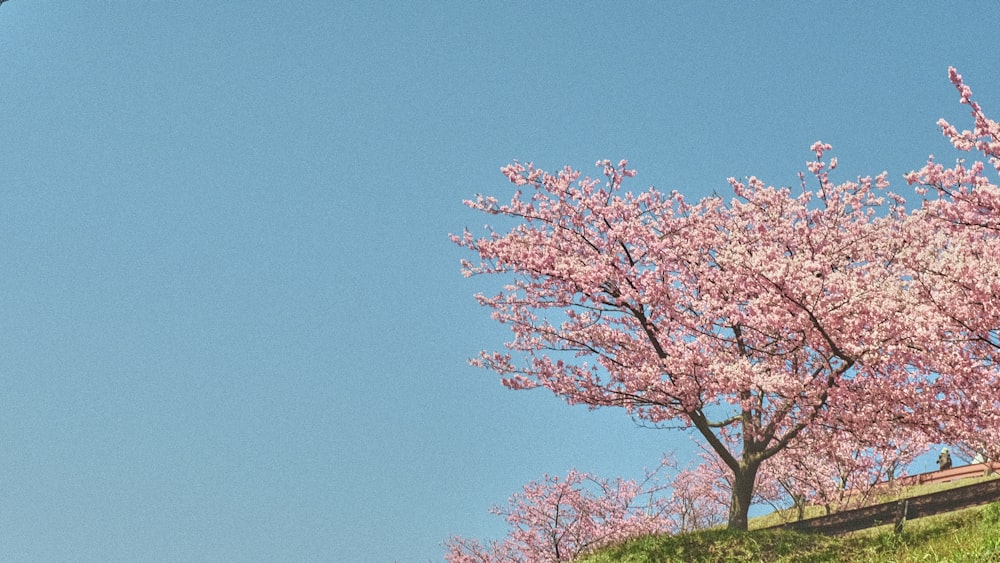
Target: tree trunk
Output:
{"points": [[800, 505], [743, 484]]}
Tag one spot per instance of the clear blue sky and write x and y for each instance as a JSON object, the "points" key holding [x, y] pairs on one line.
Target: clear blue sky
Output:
{"points": [[232, 327]]}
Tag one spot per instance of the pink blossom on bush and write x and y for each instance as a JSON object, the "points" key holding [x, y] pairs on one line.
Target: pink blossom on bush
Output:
{"points": [[561, 518]]}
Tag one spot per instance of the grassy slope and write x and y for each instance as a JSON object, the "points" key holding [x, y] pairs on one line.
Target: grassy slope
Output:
{"points": [[971, 535], [781, 517]]}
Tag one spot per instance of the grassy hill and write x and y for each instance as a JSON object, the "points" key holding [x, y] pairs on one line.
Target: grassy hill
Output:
{"points": [[971, 535]]}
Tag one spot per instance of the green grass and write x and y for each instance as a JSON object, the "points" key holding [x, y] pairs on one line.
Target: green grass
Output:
{"points": [[971, 535]]}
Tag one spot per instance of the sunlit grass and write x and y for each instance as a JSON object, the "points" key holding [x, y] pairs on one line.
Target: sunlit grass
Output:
{"points": [[971, 536]]}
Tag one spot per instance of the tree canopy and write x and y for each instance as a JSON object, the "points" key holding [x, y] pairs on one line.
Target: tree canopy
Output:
{"points": [[780, 324]]}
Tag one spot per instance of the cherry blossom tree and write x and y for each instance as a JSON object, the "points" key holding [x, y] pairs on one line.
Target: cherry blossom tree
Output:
{"points": [[840, 471], [559, 519], [749, 320], [699, 497], [698, 500], [955, 264]]}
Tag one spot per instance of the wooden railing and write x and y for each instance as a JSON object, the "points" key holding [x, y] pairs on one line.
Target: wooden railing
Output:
{"points": [[909, 508], [953, 474]]}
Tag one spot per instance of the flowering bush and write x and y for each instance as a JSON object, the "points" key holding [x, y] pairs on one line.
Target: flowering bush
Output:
{"points": [[560, 518]]}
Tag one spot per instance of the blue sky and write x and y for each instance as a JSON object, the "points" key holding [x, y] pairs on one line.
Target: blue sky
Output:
{"points": [[232, 327]]}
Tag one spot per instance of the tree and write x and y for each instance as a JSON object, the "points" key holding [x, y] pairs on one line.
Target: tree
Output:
{"points": [[559, 519], [696, 502], [839, 472], [749, 321], [956, 271]]}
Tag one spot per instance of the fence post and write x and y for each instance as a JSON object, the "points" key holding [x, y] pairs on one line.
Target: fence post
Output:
{"points": [[901, 510]]}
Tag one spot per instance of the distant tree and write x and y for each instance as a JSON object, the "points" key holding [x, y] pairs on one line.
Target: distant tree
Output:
{"points": [[561, 518], [698, 500], [839, 472]]}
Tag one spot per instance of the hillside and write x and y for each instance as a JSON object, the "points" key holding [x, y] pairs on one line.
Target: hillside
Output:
{"points": [[971, 535]]}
